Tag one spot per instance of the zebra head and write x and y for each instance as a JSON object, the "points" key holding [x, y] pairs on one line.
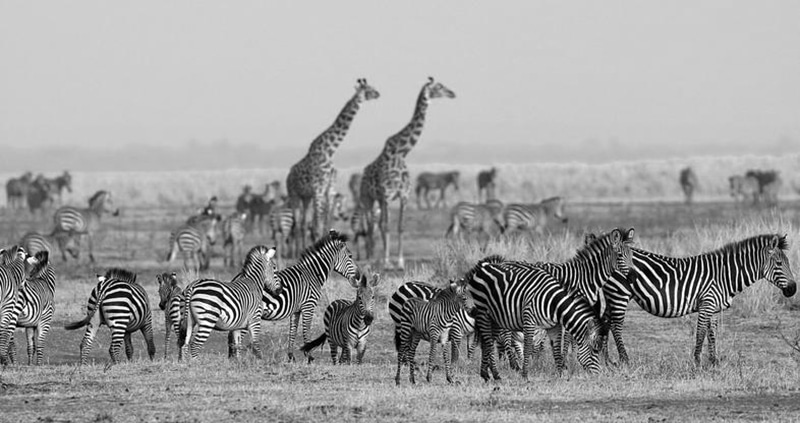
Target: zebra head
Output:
{"points": [[776, 268], [365, 296], [365, 91], [167, 283], [40, 262], [260, 266], [463, 295], [554, 206], [343, 262]]}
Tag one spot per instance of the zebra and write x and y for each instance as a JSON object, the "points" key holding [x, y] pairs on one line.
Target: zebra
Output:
{"points": [[194, 241], [480, 218], [487, 184], [170, 299], [769, 183], [56, 185], [233, 231], [427, 181], [742, 187], [40, 195], [302, 284], [81, 221], [432, 321], [33, 242], [533, 217], [234, 306], [523, 296], [348, 323], [34, 310], [17, 190], [281, 222], [120, 303], [15, 266], [704, 284], [688, 181], [589, 270], [465, 324]]}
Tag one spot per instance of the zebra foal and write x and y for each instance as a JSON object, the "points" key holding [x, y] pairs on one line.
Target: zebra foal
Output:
{"points": [[15, 266], [170, 300], [35, 307]]}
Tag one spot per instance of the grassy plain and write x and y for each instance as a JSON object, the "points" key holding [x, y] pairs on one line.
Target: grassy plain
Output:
{"points": [[758, 377]]}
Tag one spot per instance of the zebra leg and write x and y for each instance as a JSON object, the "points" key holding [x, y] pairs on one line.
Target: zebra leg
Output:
{"points": [[147, 332], [200, 335], [556, 342], [31, 334], [293, 320], [88, 339], [703, 322], [361, 348], [167, 332], [118, 335], [42, 331], [12, 346], [448, 366], [255, 336], [334, 351], [712, 340], [617, 307], [128, 346], [434, 337], [472, 343], [455, 342], [483, 326], [401, 355], [411, 352]]}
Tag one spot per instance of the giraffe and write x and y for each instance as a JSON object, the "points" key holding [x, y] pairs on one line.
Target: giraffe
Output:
{"points": [[386, 178], [310, 179]]}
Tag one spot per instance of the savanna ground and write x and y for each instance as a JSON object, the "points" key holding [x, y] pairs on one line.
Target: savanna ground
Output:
{"points": [[758, 377]]}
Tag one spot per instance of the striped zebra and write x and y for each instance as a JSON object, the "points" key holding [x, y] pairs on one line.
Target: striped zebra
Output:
{"points": [[120, 303], [523, 296], [15, 266], [589, 270], [704, 284], [481, 218], [170, 296], [233, 230], [348, 323], [533, 217], [465, 325], [281, 222], [302, 284], [432, 321], [234, 306], [81, 221], [427, 181], [194, 241], [33, 242], [34, 310]]}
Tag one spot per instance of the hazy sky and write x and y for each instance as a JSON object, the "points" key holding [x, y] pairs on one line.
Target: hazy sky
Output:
{"points": [[277, 73]]}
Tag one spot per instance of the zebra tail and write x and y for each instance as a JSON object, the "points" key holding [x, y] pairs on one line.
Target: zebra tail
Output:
{"points": [[79, 324], [307, 348], [183, 327]]}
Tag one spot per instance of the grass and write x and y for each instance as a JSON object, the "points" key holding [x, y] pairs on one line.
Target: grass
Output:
{"points": [[757, 378]]}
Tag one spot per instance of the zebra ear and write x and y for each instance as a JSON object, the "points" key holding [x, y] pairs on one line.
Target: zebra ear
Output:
{"points": [[616, 236], [270, 252], [629, 235], [173, 279], [774, 243], [376, 279]]}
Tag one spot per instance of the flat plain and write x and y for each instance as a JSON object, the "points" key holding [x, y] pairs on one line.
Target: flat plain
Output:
{"points": [[758, 377]]}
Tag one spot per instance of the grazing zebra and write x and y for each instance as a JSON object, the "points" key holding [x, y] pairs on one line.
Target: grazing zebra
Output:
{"points": [[704, 284], [17, 190], [234, 306], [523, 296], [170, 299], [533, 217], [589, 270], [15, 266], [120, 303], [81, 221], [465, 324], [34, 310], [233, 230], [302, 284], [347, 323], [427, 181], [486, 184], [33, 242], [688, 181], [480, 218], [432, 321], [194, 241]]}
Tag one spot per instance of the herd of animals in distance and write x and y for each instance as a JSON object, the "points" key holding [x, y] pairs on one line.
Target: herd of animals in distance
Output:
{"points": [[503, 306]]}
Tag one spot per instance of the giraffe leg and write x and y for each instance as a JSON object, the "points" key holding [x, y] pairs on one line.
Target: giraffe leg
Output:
{"points": [[400, 259], [383, 225]]}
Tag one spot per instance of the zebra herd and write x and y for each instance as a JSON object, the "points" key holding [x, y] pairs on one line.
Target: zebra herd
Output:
{"points": [[504, 306]]}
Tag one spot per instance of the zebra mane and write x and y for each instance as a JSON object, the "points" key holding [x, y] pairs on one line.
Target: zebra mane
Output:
{"points": [[586, 251], [329, 238], [492, 259], [758, 240], [97, 195], [121, 274], [43, 259], [550, 199], [254, 256]]}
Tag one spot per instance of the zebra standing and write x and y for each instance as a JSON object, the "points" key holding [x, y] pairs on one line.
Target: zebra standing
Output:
{"points": [[235, 306], [689, 184], [33, 242], [194, 241], [34, 310], [302, 284], [15, 266], [170, 299], [59, 183], [704, 284], [233, 230], [72, 221], [533, 217], [348, 323], [480, 218], [522, 296], [432, 321], [17, 190], [487, 184], [120, 303], [427, 181]]}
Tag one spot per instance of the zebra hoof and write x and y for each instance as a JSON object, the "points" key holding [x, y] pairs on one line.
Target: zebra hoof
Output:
{"points": [[310, 359]]}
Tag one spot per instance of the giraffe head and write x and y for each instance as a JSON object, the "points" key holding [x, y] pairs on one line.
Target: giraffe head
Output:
{"points": [[437, 90], [366, 92]]}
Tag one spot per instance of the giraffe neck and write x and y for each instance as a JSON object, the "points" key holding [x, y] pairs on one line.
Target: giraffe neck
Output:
{"points": [[326, 143], [402, 143]]}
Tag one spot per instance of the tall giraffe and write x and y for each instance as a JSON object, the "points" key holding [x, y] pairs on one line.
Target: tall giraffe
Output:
{"points": [[310, 179], [387, 178]]}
